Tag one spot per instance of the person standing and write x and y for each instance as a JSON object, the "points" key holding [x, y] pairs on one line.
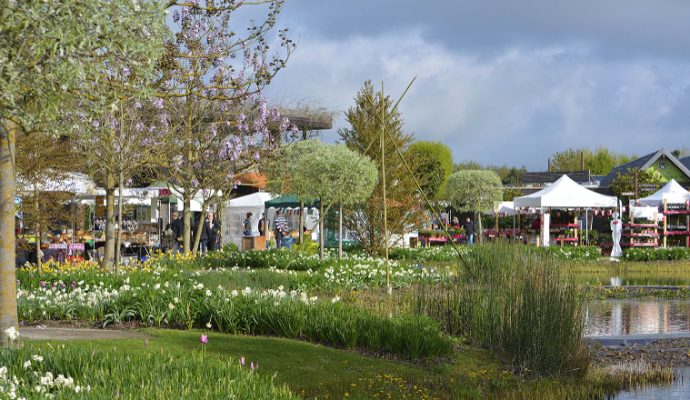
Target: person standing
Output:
{"points": [[213, 232], [469, 231], [281, 228], [247, 225], [177, 226]]}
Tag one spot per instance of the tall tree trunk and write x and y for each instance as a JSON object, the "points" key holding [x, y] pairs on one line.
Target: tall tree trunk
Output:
{"points": [[109, 251], [118, 237], [197, 233], [322, 234], [8, 279], [301, 219], [186, 222], [37, 234]]}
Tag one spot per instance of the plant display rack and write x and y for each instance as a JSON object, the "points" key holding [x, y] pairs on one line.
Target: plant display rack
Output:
{"points": [[676, 223], [566, 233], [640, 234]]}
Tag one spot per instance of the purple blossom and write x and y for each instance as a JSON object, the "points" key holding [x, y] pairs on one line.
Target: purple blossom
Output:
{"points": [[158, 103], [176, 16]]}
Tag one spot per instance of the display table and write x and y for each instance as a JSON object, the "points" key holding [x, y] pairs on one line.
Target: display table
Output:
{"points": [[253, 243]]}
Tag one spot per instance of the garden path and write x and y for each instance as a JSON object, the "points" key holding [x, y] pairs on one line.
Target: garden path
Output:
{"points": [[51, 333]]}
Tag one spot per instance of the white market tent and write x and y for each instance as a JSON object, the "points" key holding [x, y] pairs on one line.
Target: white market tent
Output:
{"points": [[671, 193], [506, 208], [566, 193], [235, 211]]}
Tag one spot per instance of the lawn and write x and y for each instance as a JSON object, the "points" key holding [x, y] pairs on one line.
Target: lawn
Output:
{"points": [[313, 371]]}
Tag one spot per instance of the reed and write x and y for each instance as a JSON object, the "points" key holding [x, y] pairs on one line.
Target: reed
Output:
{"points": [[514, 300]]}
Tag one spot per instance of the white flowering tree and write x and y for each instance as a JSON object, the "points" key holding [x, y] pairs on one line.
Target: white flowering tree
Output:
{"points": [[47, 51]]}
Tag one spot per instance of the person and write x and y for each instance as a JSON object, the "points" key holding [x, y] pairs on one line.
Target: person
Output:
{"points": [[281, 228], [469, 230], [262, 221], [456, 223], [177, 226], [168, 241], [213, 232], [247, 225]]}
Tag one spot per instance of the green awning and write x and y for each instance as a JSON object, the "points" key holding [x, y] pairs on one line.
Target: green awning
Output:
{"points": [[289, 201]]}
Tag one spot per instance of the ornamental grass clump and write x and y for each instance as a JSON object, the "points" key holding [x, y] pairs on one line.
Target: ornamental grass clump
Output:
{"points": [[514, 300]]}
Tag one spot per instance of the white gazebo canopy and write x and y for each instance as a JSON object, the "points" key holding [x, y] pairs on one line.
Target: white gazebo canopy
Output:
{"points": [[235, 211], [566, 193], [672, 193]]}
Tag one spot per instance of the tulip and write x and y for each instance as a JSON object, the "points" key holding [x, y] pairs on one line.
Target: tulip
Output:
{"points": [[203, 339]]}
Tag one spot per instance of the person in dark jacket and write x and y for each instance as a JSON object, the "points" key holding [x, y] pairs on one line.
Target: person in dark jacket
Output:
{"points": [[213, 232], [469, 231], [177, 226]]}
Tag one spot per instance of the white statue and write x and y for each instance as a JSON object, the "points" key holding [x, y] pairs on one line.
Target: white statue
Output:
{"points": [[616, 231]]}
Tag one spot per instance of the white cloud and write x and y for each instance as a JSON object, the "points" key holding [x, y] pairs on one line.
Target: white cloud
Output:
{"points": [[516, 107]]}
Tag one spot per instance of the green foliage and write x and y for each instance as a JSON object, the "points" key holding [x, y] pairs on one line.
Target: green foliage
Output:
{"points": [[626, 182], [598, 162], [68, 40], [366, 120], [333, 174], [670, 254], [142, 375], [432, 163], [513, 300], [474, 190]]}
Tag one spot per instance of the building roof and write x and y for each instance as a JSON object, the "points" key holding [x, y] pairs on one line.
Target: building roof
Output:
{"points": [[685, 161], [542, 178], [643, 163]]}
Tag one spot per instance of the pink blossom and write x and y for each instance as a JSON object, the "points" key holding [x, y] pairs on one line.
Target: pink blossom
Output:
{"points": [[203, 339]]}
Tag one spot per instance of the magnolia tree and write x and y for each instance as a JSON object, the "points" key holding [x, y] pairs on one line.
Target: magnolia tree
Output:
{"points": [[213, 77], [47, 50], [335, 175], [474, 190]]}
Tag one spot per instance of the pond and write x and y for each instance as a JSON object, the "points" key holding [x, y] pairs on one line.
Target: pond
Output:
{"points": [[656, 278], [679, 389], [634, 317]]}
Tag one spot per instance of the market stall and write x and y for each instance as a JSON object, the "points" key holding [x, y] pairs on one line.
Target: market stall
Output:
{"points": [[673, 202], [563, 194], [234, 213]]}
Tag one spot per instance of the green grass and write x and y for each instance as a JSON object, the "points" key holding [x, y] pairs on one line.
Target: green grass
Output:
{"points": [[310, 371]]}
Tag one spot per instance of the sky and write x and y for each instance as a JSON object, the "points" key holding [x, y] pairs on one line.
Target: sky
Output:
{"points": [[502, 83]]}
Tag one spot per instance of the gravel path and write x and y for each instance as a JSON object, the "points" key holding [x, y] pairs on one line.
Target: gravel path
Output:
{"points": [[50, 333]]}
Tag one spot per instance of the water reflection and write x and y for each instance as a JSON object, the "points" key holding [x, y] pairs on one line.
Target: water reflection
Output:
{"points": [[680, 389], [632, 317]]}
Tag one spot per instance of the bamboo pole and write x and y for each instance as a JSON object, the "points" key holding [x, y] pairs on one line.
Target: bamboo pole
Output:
{"points": [[383, 186]]}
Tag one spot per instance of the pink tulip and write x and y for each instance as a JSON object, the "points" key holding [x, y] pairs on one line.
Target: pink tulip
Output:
{"points": [[251, 366], [242, 361], [203, 339]]}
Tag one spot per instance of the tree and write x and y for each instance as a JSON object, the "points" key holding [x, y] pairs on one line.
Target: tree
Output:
{"points": [[42, 160], [47, 49], [213, 77], [432, 163], [335, 175], [598, 162], [403, 201], [475, 191], [642, 183]]}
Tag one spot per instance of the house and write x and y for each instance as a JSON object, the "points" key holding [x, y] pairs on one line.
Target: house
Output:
{"points": [[661, 160]]}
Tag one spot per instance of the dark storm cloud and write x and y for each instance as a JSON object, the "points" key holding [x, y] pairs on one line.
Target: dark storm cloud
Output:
{"points": [[509, 82]]}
